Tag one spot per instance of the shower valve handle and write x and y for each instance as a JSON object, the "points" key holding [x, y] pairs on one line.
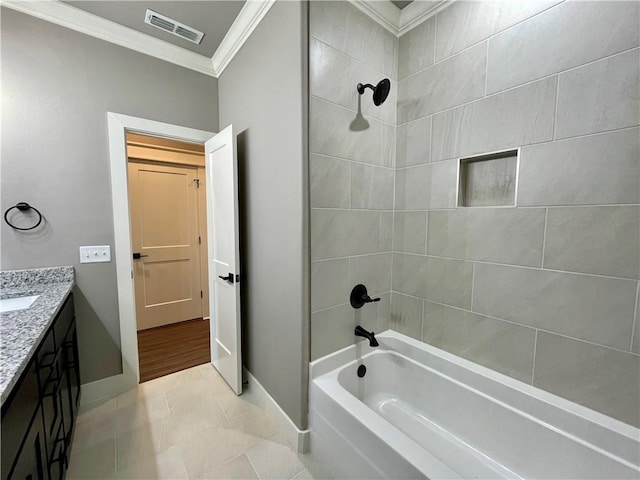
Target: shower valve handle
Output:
{"points": [[359, 296]]}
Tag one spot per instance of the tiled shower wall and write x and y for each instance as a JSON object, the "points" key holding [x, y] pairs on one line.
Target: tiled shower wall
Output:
{"points": [[546, 292], [351, 172]]}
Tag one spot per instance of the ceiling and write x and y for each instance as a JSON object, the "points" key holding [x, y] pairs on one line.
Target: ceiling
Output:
{"points": [[212, 18]]}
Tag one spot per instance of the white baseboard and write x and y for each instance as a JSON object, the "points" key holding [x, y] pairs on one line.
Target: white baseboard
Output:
{"points": [[299, 439], [106, 388]]}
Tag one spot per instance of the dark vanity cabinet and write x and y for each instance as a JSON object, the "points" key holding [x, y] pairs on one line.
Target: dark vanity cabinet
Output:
{"points": [[39, 415]]}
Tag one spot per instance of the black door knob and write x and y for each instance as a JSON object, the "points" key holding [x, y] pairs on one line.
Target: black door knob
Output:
{"points": [[136, 256], [228, 278]]}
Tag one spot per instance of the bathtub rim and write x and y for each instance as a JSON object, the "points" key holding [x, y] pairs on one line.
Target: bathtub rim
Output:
{"points": [[625, 437]]}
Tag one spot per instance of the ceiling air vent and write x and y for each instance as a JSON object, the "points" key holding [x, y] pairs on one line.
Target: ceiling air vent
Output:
{"points": [[169, 25]]}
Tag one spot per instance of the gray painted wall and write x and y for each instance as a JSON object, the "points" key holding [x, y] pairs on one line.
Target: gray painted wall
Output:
{"points": [[263, 94], [57, 87]]}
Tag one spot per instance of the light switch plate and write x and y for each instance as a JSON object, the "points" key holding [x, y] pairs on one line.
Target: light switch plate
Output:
{"points": [[95, 254]]}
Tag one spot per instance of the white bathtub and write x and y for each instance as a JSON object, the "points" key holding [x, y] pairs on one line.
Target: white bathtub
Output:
{"points": [[420, 412]]}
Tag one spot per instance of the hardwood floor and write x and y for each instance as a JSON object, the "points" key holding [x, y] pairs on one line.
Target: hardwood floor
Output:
{"points": [[171, 348]]}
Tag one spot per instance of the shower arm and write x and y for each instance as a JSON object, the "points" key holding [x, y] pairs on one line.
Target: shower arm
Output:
{"points": [[361, 87]]}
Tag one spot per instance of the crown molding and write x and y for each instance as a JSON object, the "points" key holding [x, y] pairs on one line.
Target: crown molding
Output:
{"points": [[382, 11], [417, 12], [399, 21], [84, 22], [76, 19], [242, 27]]}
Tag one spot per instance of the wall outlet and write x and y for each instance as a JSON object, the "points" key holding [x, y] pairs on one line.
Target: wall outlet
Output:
{"points": [[95, 254]]}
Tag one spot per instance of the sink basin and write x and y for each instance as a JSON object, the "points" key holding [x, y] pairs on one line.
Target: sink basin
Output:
{"points": [[18, 303]]}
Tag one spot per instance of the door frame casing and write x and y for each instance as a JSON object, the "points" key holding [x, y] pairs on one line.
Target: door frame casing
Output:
{"points": [[119, 125]]}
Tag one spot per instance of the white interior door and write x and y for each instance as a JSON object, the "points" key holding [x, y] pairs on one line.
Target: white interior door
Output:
{"points": [[224, 256]]}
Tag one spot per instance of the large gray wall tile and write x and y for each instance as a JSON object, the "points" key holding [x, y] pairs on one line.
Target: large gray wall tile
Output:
{"points": [[521, 116], [406, 315], [501, 346], [427, 186], [386, 231], [454, 81], [371, 187], [331, 330], [597, 169], [600, 240], [344, 27], [513, 236], [342, 233], [635, 343], [596, 309], [467, 22], [388, 147], [601, 96], [329, 181], [440, 280], [331, 134], [374, 316], [335, 75], [373, 271], [329, 283], [413, 143], [416, 48], [560, 38], [410, 232], [600, 378]]}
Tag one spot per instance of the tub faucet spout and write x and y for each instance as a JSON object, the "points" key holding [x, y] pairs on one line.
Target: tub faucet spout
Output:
{"points": [[361, 332]]}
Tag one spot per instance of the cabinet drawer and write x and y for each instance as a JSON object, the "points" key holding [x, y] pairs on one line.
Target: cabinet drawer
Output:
{"points": [[17, 413]]}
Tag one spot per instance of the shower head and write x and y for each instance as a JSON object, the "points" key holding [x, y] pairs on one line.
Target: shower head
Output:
{"points": [[380, 91]]}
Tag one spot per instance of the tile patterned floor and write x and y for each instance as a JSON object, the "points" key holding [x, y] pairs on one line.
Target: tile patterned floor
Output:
{"points": [[187, 425]]}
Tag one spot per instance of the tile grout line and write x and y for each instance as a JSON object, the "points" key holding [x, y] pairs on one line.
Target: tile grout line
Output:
{"points": [[342, 52], [486, 71], [510, 207], [486, 262], [495, 34], [319, 154], [555, 109], [530, 327], [422, 315], [473, 282], [430, 139], [426, 233], [435, 37], [529, 82], [250, 462], [372, 117], [572, 137], [544, 237], [469, 47], [535, 348], [636, 318]]}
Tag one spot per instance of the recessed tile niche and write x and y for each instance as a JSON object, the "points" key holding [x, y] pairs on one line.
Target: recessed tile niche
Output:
{"points": [[488, 180]]}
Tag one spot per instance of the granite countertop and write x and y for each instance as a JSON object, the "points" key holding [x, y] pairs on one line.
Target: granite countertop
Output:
{"points": [[21, 331]]}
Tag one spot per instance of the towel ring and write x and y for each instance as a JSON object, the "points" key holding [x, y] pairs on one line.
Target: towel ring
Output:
{"points": [[22, 206]]}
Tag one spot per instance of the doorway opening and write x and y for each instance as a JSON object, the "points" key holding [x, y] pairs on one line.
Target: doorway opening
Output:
{"points": [[167, 208], [222, 248]]}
